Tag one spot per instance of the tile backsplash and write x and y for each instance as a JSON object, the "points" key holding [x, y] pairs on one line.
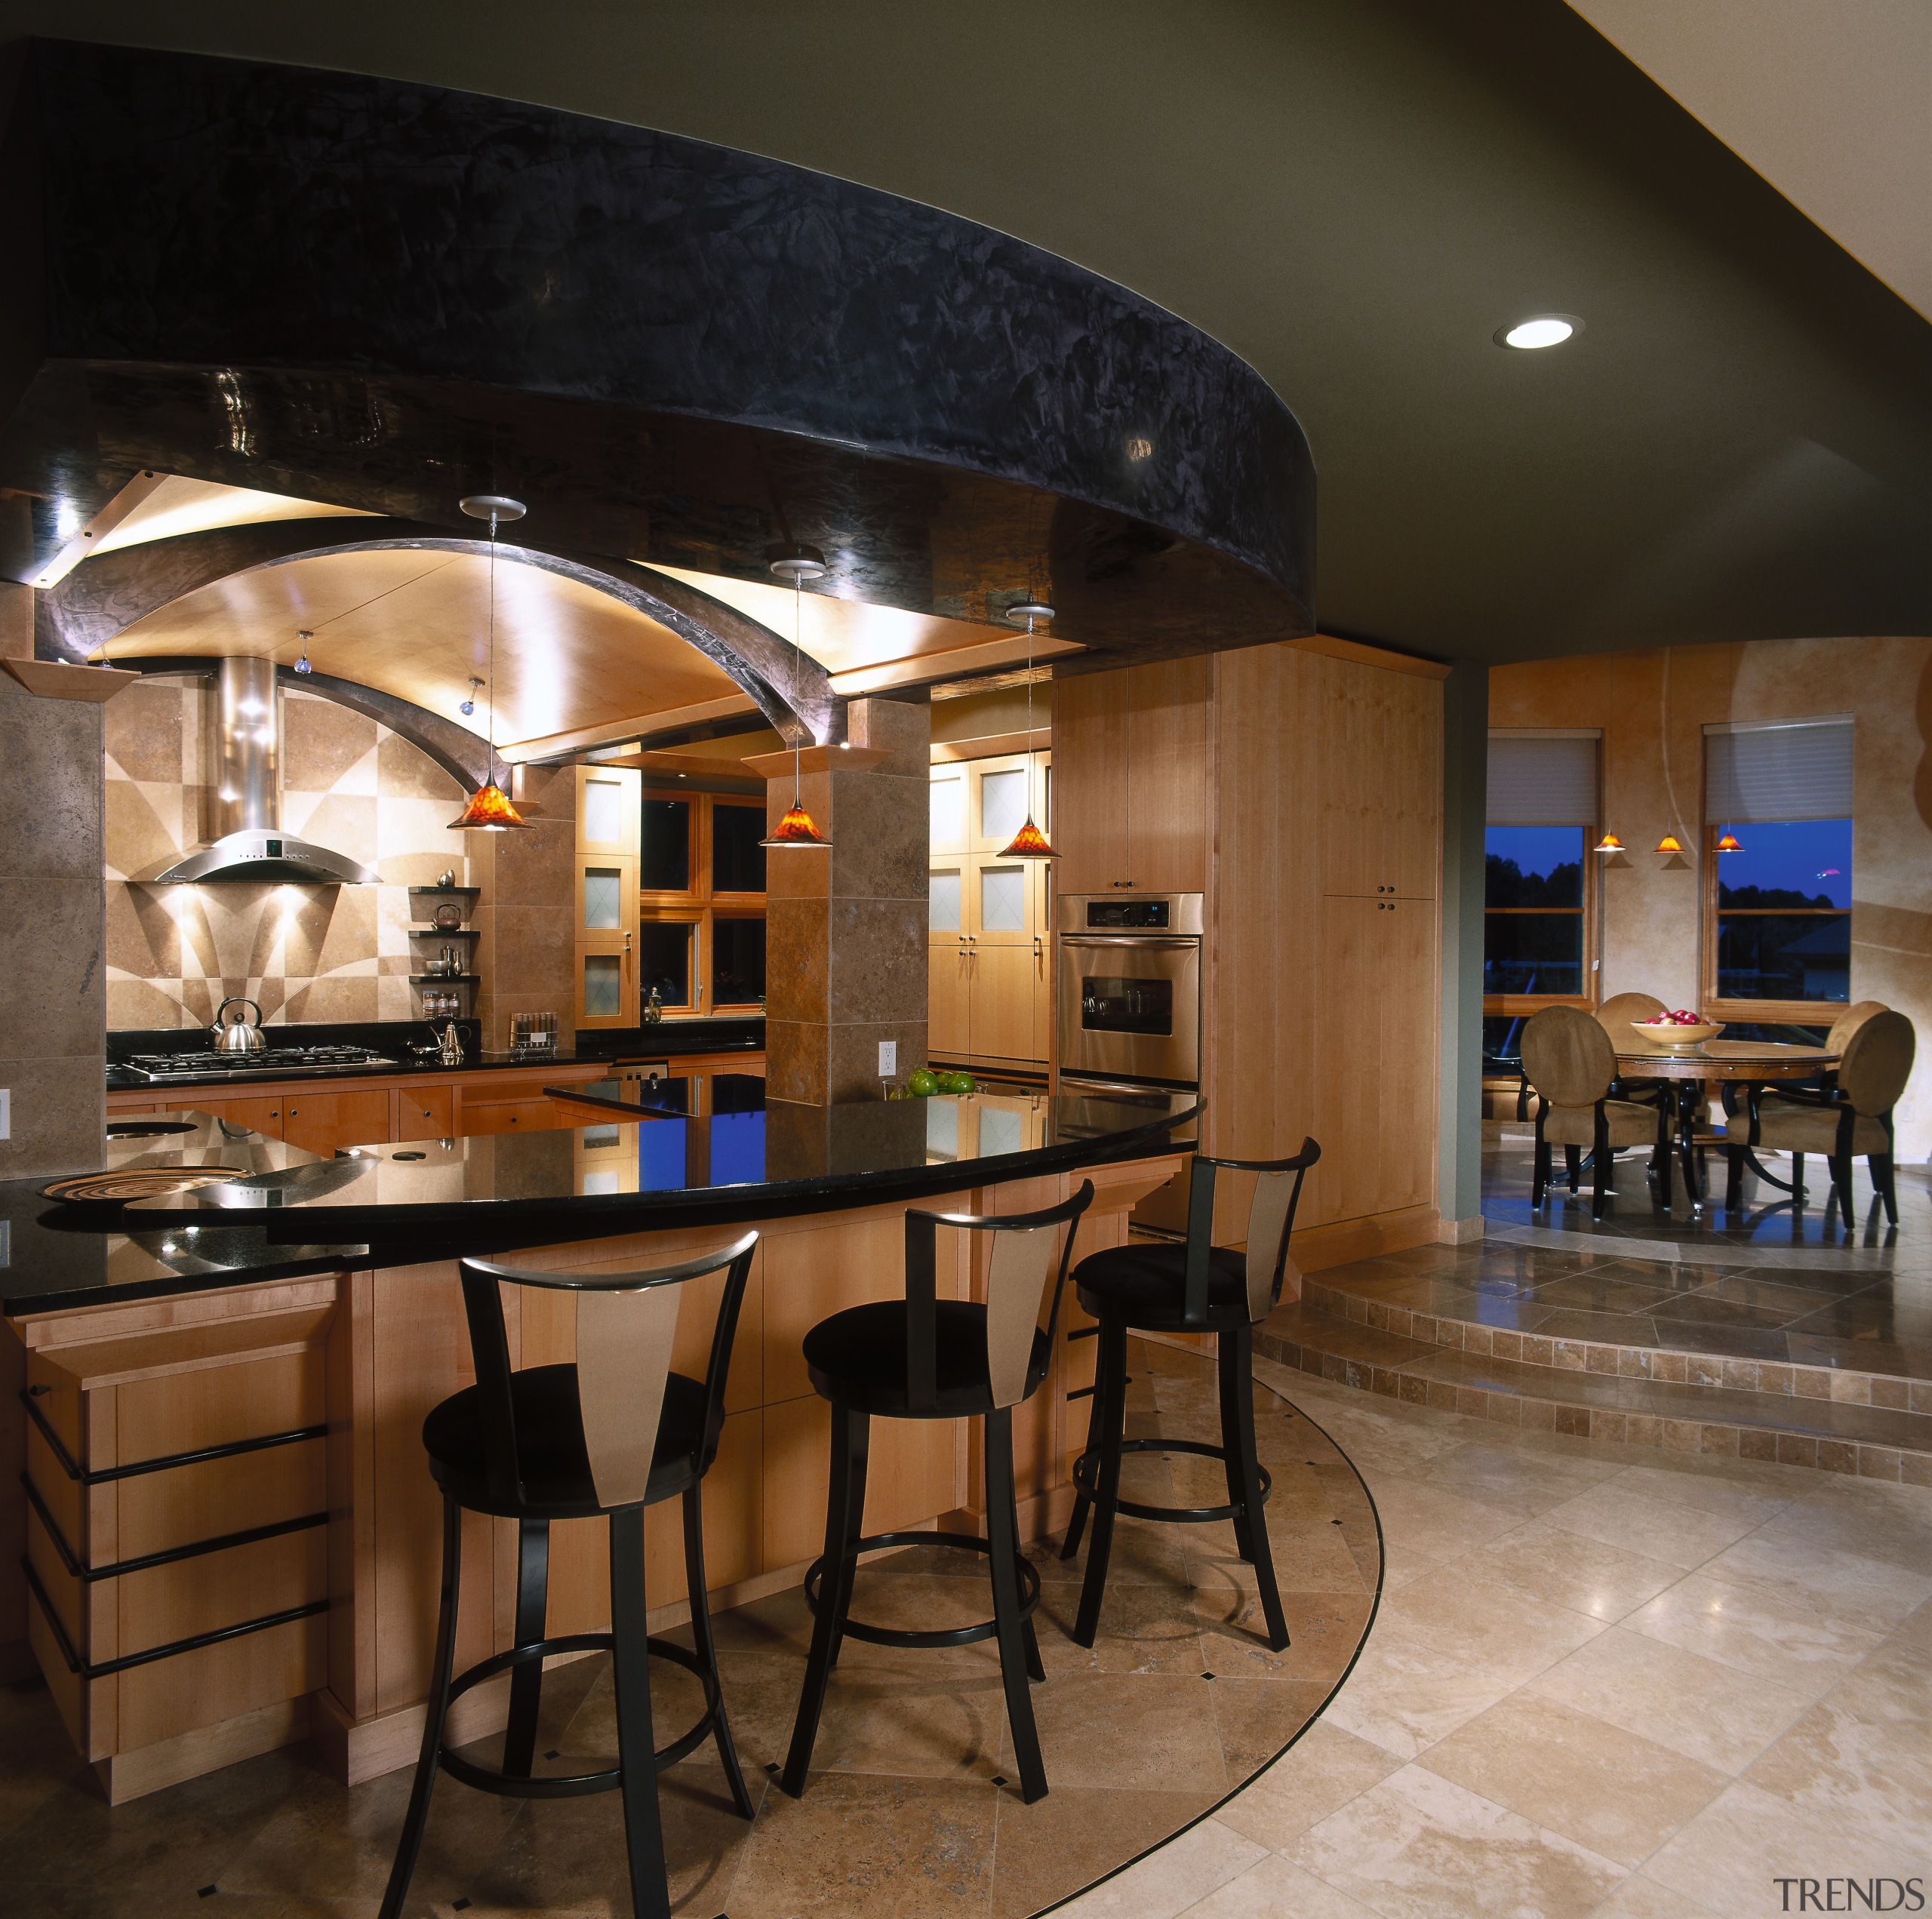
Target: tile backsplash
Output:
{"points": [[302, 952]]}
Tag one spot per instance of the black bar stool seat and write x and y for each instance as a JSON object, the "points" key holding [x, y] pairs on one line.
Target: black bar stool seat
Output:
{"points": [[606, 1437], [556, 1475], [923, 1357], [1148, 1285], [1197, 1288], [858, 1358]]}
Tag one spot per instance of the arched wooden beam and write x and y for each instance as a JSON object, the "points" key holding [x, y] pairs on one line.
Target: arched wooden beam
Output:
{"points": [[105, 595], [455, 749]]}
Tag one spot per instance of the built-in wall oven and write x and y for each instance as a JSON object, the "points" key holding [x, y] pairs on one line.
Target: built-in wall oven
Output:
{"points": [[1130, 989]]}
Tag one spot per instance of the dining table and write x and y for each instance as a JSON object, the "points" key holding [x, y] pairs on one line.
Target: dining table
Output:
{"points": [[1687, 1072]]}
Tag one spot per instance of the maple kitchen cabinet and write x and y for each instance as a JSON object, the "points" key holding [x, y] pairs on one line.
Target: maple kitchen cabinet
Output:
{"points": [[1130, 752], [989, 976], [1297, 786]]}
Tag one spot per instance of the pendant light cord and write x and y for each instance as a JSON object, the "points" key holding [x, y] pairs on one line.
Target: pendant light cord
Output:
{"points": [[492, 767], [798, 673]]}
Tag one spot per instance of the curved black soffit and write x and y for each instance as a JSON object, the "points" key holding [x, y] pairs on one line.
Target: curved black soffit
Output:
{"points": [[387, 294]]}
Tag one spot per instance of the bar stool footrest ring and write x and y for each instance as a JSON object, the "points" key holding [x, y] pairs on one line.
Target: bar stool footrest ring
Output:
{"points": [[573, 1785], [1086, 1468], [964, 1635]]}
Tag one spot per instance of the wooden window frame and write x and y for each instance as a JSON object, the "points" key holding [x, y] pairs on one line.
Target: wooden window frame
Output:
{"points": [[699, 905], [1758, 1012], [1512, 1006]]}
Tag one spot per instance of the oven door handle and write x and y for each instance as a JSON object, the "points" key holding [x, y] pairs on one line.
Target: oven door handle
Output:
{"points": [[1175, 944]]}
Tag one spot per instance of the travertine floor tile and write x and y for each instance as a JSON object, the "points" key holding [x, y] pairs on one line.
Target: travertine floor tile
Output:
{"points": [[1640, 1898], [1274, 1888], [1612, 1791], [1658, 1529], [1603, 1582], [1731, 1855], [1320, 1772], [1418, 1846], [1755, 1631], [1706, 1492], [892, 1834], [1842, 1585], [1694, 1705], [1522, 1483], [1434, 1522], [1181, 1874], [1049, 1849]]}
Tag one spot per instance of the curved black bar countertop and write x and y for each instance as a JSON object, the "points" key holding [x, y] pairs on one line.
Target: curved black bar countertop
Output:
{"points": [[660, 1167]]}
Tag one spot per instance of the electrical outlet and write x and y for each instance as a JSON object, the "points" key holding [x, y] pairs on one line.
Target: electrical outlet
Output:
{"points": [[6, 1114], [888, 1057]]}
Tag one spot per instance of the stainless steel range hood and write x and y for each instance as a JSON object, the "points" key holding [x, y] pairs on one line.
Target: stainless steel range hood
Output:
{"points": [[249, 845]]}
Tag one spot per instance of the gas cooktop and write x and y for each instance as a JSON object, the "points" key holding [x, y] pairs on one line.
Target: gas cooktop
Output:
{"points": [[273, 1062]]}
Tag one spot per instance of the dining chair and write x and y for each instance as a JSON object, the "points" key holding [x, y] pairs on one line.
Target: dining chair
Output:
{"points": [[1853, 1116], [1616, 1016], [1569, 1059]]}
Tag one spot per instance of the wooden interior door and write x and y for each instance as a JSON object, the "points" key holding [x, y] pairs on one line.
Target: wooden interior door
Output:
{"points": [[1166, 797], [1090, 781]]}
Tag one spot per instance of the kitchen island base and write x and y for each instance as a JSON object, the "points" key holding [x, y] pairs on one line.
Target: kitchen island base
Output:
{"points": [[267, 1571]]}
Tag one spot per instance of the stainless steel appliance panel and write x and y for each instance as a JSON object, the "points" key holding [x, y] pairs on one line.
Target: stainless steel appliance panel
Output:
{"points": [[1129, 992]]}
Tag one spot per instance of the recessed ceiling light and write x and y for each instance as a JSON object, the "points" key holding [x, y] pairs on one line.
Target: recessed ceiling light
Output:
{"points": [[1539, 329]]}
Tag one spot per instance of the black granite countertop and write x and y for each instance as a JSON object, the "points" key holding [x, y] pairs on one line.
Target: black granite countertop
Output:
{"points": [[54, 1254], [406, 1044], [704, 1152]]}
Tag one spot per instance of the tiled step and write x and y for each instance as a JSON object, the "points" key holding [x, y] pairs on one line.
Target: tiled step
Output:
{"points": [[1358, 1303], [1839, 1435]]}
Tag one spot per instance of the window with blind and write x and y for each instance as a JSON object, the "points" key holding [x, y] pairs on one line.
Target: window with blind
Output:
{"points": [[1778, 825], [1539, 916]]}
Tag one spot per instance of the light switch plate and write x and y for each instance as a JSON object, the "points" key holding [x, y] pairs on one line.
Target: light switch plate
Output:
{"points": [[6, 1114], [888, 1057]]}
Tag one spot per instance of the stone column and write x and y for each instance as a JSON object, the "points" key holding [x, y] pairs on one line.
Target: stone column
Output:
{"points": [[845, 941], [53, 931], [527, 913]]}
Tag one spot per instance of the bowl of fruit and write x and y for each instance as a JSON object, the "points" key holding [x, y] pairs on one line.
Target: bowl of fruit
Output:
{"points": [[1676, 1032]]}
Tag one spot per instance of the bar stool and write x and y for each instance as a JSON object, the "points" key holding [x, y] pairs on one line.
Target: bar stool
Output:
{"points": [[1198, 1287], [616, 1432], [923, 1357]]}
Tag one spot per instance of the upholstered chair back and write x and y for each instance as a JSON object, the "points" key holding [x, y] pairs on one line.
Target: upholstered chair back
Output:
{"points": [[1568, 1056]]}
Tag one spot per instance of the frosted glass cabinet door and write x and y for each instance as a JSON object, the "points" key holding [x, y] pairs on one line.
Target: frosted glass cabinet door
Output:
{"points": [[606, 988], [945, 894], [1003, 898], [1002, 805], [948, 832], [608, 802]]}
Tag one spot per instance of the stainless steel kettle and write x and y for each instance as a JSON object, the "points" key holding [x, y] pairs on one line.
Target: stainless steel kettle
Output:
{"points": [[244, 1035]]}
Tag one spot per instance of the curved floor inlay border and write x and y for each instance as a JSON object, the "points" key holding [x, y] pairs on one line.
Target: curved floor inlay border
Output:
{"points": [[908, 1814]]}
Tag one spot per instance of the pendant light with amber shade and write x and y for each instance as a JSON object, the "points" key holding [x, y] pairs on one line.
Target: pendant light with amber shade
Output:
{"points": [[1029, 843], [489, 810], [798, 564]]}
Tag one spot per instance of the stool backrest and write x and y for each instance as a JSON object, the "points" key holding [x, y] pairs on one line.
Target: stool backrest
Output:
{"points": [[626, 1324], [1877, 1062], [1017, 1278], [1568, 1057], [1271, 1218]]}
